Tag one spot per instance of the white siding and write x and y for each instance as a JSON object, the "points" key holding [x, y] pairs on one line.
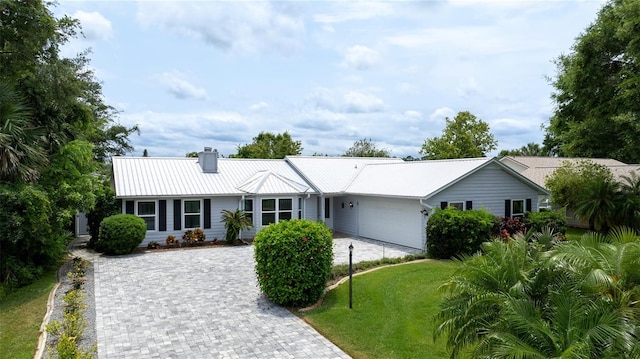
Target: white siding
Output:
{"points": [[488, 188], [345, 219]]}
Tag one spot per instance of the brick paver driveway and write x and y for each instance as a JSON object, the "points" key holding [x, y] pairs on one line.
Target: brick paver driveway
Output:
{"points": [[201, 303]]}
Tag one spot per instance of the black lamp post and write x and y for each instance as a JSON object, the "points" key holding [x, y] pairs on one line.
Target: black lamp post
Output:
{"points": [[350, 276]]}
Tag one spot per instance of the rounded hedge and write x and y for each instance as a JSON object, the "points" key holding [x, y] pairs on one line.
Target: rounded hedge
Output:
{"points": [[121, 233], [293, 261], [452, 233]]}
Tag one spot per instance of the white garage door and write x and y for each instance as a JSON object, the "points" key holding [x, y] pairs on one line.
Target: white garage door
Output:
{"points": [[391, 220]]}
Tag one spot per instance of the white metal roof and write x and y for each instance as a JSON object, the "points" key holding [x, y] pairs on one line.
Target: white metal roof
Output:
{"points": [[165, 177], [415, 179], [331, 175], [267, 182]]}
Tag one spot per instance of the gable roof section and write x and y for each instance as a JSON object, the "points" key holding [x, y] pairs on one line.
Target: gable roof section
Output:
{"points": [[267, 182], [332, 175], [422, 179], [183, 177], [537, 169]]}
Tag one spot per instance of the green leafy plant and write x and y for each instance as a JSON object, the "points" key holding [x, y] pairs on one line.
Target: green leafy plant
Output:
{"points": [[451, 232], [555, 220], [153, 245], [193, 236], [234, 222], [293, 261], [171, 241], [121, 233]]}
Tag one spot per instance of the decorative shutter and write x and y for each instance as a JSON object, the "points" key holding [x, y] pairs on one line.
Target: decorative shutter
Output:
{"points": [[129, 207], [162, 215], [443, 205], [207, 213], [120, 205], [528, 204], [507, 208], [177, 213], [469, 205]]}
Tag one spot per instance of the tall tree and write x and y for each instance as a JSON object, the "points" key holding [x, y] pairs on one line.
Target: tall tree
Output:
{"points": [[366, 148], [597, 92], [531, 149], [268, 145], [22, 155], [465, 136]]}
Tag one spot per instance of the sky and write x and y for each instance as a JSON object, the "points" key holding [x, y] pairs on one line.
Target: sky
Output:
{"points": [[217, 73]]}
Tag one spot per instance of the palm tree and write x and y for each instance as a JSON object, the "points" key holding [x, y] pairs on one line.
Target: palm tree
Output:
{"points": [[599, 204], [234, 222], [577, 300], [629, 208], [21, 152]]}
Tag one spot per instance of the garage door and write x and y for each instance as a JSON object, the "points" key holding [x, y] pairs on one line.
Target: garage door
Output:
{"points": [[391, 220]]}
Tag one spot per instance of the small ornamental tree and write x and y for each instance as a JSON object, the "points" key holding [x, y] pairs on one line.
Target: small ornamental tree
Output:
{"points": [[452, 232], [293, 261], [121, 233]]}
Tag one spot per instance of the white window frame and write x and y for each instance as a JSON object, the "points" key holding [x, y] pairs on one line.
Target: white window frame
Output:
{"points": [[253, 208], [463, 205], [513, 205], [299, 208], [277, 211], [143, 216], [185, 214]]}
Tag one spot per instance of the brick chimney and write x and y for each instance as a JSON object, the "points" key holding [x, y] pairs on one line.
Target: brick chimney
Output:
{"points": [[208, 160]]}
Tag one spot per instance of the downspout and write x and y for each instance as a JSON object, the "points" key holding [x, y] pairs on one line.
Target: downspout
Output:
{"points": [[240, 206], [304, 206]]}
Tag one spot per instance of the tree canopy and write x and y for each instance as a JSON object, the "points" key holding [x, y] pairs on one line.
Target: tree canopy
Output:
{"points": [[530, 149], [366, 148], [268, 145], [597, 89], [465, 136]]}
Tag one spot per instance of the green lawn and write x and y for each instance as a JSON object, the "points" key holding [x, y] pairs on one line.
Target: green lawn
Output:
{"points": [[575, 233], [21, 313], [392, 315]]}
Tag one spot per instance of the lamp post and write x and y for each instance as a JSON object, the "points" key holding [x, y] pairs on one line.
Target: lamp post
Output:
{"points": [[351, 276]]}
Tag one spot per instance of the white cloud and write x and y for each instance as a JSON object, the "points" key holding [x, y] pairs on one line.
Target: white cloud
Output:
{"points": [[356, 102], [258, 106], [361, 57], [247, 27], [441, 113], [354, 10], [179, 87], [416, 115], [94, 25]]}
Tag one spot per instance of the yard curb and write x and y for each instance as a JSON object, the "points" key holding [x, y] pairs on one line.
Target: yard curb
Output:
{"points": [[42, 336], [344, 279]]}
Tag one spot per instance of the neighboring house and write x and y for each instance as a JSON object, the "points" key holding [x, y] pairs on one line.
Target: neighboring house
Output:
{"points": [[538, 169], [380, 198]]}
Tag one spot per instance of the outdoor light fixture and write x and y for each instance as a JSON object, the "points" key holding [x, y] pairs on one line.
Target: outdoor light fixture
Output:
{"points": [[351, 276], [425, 212], [350, 204]]}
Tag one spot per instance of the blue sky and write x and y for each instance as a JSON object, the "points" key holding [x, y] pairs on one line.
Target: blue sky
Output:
{"points": [[213, 73]]}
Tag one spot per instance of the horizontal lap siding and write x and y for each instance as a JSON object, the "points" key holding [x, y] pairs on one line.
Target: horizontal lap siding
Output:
{"points": [[488, 189], [345, 219]]}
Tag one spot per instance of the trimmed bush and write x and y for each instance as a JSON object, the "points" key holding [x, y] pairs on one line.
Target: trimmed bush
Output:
{"points": [[121, 233], [293, 261], [555, 220], [452, 232], [511, 226]]}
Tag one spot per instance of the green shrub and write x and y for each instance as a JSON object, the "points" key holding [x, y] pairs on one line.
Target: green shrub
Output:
{"points": [[451, 232], [293, 261], [193, 236], [121, 233], [106, 205], [555, 220]]}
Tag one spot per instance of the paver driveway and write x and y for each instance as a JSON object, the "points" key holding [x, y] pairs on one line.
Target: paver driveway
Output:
{"points": [[201, 303]]}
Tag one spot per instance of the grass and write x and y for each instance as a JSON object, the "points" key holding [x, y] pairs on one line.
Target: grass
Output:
{"points": [[574, 233], [392, 315], [21, 313]]}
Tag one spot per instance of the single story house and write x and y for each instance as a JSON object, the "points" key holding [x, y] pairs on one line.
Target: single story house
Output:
{"points": [[385, 199]]}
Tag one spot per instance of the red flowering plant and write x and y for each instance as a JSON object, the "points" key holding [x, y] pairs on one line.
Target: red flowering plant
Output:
{"points": [[293, 261]]}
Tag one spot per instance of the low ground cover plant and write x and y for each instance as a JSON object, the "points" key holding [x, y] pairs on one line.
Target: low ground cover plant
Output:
{"points": [[293, 261]]}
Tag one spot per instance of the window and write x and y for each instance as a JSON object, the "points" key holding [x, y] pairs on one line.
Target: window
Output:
{"points": [[299, 208], [517, 208], [327, 208], [248, 209], [192, 214], [457, 205], [147, 211], [274, 210]]}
